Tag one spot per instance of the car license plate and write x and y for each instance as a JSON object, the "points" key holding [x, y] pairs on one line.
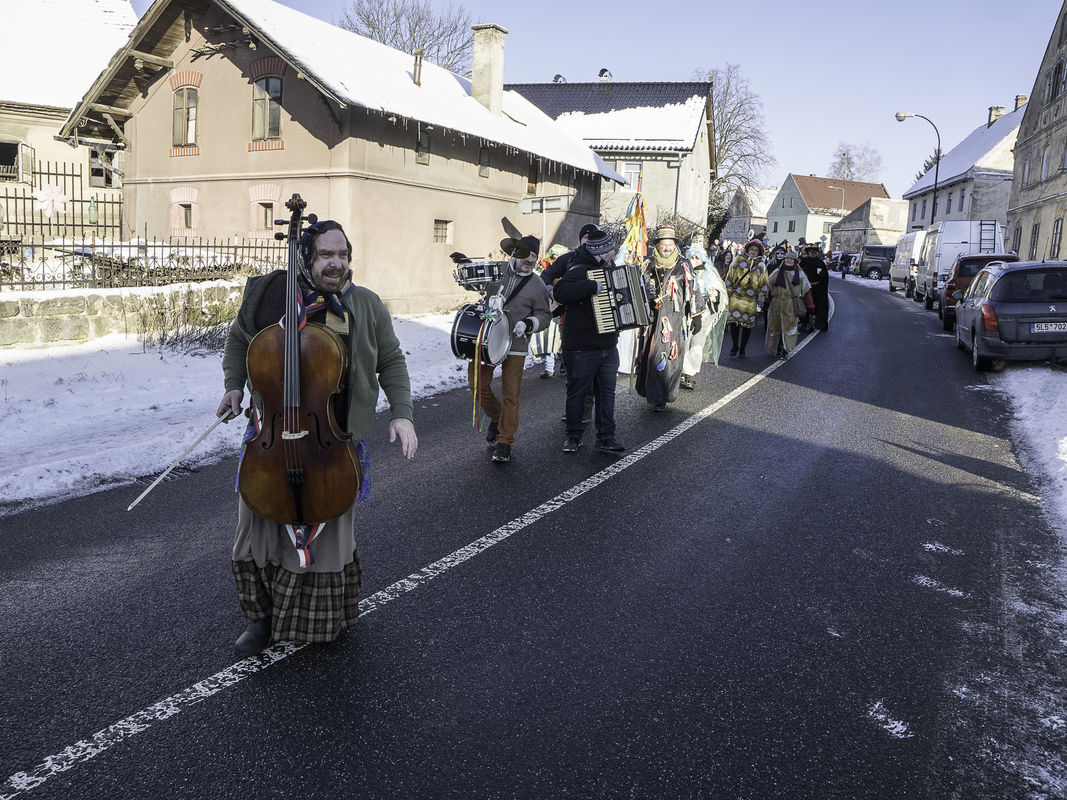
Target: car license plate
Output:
{"points": [[1047, 327]]}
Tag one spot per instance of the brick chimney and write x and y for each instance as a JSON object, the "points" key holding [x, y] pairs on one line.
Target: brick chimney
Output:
{"points": [[487, 66], [1020, 101], [995, 113]]}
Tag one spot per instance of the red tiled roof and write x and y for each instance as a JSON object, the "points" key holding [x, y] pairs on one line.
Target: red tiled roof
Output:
{"points": [[818, 194]]}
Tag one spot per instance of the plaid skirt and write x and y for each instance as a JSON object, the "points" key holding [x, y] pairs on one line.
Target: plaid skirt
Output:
{"points": [[303, 606]]}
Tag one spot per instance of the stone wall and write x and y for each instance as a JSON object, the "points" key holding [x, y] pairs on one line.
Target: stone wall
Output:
{"points": [[71, 316]]}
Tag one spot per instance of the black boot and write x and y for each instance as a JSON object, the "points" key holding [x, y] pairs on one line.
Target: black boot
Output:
{"points": [[254, 639]]}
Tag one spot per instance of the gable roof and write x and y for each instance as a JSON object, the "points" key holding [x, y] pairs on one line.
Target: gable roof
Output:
{"points": [[608, 115], [818, 195], [49, 43], [354, 70], [759, 200], [970, 153]]}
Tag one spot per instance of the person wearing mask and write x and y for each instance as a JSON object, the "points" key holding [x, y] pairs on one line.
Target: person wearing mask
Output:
{"points": [[591, 357], [746, 284], [790, 292], [705, 340], [524, 301]]}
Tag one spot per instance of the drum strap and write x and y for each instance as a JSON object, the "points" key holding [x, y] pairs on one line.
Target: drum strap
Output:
{"points": [[517, 289]]}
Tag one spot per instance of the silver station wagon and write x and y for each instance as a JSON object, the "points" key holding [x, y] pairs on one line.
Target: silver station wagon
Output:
{"points": [[1014, 311]]}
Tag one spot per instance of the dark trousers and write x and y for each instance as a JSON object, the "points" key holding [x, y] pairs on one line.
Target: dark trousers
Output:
{"points": [[744, 332], [591, 371]]}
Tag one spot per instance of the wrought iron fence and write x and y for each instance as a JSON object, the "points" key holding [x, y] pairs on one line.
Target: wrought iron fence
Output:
{"points": [[91, 262], [87, 211]]}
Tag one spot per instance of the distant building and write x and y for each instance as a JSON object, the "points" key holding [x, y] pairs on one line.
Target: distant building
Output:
{"points": [[877, 221], [808, 206], [656, 135], [974, 178], [748, 212], [1038, 200], [228, 110], [50, 46]]}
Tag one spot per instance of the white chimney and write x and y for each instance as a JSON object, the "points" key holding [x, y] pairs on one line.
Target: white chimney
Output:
{"points": [[487, 66], [995, 113]]}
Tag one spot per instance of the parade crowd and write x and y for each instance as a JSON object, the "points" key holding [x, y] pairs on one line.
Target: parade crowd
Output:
{"points": [[298, 575]]}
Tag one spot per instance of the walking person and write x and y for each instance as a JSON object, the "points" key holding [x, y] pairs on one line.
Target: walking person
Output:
{"points": [[296, 582], [662, 345], [705, 340], [525, 304], [814, 267], [544, 346], [790, 304], [591, 357], [746, 284]]}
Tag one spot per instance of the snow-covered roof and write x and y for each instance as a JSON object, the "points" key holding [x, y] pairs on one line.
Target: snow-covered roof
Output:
{"points": [[50, 45], [361, 72], [609, 115], [973, 151], [759, 200]]}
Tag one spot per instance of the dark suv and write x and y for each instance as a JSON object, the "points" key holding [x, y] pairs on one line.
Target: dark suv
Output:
{"points": [[959, 278], [875, 260]]}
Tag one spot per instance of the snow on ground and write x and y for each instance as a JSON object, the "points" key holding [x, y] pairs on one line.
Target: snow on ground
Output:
{"points": [[82, 417]]}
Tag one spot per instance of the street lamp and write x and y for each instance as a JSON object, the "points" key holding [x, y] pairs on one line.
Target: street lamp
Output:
{"points": [[903, 115], [842, 196]]}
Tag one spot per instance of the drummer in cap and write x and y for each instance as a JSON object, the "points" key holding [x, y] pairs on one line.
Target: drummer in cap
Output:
{"points": [[521, 300]]}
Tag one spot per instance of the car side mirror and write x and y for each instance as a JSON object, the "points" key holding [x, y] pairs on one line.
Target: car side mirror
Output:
{"points": [[957, 296]]}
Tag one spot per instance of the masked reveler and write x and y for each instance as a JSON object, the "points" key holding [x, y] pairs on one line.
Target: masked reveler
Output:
{"points": [[523, 298], [677, 303]]}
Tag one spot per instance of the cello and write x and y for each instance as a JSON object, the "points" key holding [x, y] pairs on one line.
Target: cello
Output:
{"points": [[300, 469]]}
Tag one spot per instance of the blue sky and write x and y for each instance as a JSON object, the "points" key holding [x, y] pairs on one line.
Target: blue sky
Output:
{"points": [[827, 70]]}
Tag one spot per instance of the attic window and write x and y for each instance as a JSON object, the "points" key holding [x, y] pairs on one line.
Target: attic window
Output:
{"points": [[483, 162], [184, 126], [422, 148], [531, 180]]}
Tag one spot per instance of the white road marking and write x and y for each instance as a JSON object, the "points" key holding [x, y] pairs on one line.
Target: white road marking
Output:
{"points": [[101, 741]]}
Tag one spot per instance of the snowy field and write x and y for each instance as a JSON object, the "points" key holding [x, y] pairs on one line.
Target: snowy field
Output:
{"points": [[80, 418]]}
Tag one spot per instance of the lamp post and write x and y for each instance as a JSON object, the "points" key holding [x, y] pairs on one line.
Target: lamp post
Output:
{"points": [[843, 209], [903, 115]]}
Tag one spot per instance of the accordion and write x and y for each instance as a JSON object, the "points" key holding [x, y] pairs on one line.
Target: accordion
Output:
{"points": [[623, 304]]}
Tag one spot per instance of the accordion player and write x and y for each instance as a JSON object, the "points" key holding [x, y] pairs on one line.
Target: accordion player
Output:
{"points": [[624, 303]]}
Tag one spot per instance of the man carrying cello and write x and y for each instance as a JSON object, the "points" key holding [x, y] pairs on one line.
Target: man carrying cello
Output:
{"points": [[293, 588]]}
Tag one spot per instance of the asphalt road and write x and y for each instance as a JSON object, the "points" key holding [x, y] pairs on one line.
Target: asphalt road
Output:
{"points": [[822, 588]]}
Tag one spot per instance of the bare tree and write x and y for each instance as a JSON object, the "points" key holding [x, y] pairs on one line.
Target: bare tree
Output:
{"points": [[445, 36], [856, 162], [742, 151]]}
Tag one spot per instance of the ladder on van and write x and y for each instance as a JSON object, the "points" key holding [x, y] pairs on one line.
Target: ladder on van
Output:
{"points": [[987, 236]]}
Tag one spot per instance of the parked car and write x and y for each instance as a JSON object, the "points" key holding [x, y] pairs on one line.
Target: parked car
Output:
{"points": [[875, 260], [902, 270], [1014, 311], [943, 242], [959, 278]]}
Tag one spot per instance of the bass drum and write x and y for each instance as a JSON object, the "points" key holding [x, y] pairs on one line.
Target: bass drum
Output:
{"points": [[496, 339]]}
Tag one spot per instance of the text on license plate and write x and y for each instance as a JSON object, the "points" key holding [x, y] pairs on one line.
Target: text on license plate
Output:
{"points": [[1045, 327]]}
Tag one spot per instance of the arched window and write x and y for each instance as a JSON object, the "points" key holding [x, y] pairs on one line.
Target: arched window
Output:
{"points": [[185, 104], [1057, 80], [266, 108]]}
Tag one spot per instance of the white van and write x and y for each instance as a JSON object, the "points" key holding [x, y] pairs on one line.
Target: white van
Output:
{"points": [[902, 270], [943, 242]]}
